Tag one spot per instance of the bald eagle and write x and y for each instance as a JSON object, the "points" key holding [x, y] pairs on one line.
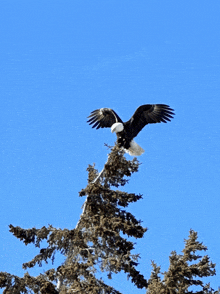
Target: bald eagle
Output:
{"points": [[126, 131]]}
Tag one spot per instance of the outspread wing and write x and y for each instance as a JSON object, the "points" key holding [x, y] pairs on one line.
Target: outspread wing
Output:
{"points": [[148, 114], [103, 118]]}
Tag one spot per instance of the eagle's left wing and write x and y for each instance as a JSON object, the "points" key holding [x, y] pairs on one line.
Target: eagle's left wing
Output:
{"points": [[148, 114], [103, 118]]}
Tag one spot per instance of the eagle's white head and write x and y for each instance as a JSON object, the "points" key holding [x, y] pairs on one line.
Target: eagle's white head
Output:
{"points": [[117, 127]]}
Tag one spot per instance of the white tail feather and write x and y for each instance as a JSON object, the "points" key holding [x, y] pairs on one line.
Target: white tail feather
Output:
{"points": [[135, 149]]}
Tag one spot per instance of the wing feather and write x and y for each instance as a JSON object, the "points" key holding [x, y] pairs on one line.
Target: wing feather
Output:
{"points": [[103, 118], [148, 114]]}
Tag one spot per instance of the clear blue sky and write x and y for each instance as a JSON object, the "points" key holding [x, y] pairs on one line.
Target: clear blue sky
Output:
{"points": [[62, 59]]}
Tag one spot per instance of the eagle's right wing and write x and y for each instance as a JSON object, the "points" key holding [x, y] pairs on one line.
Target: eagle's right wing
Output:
{"points": [[148, 114], [103, 118]]}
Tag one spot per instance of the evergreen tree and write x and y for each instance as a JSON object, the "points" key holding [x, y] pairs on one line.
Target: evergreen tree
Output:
{"points": [[185, 270], [96, 243]]}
